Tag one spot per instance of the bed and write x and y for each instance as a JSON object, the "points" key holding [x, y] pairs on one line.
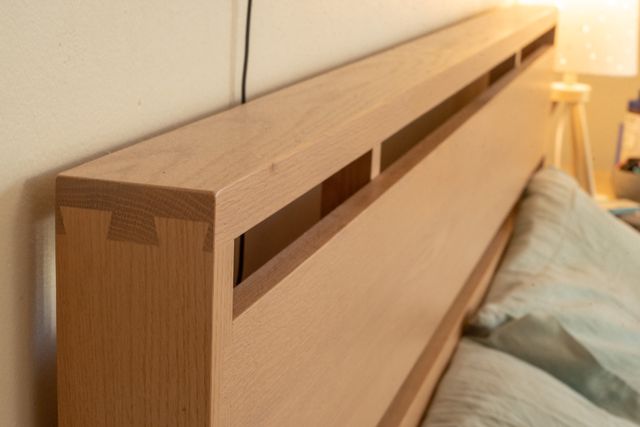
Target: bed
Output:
{"points": [[311, 257]]}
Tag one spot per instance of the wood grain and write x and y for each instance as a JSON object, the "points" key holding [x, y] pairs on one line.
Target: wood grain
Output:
{"points": [[141, 327], [134, 324], [334, 340], [408, 407], [134, 207]]}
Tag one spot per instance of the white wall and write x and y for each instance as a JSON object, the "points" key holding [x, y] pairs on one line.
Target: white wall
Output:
{"points": [[81, 77]]}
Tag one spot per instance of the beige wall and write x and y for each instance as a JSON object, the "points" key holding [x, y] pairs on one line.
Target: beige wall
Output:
{"points": [[605, 111], [81, 77]]}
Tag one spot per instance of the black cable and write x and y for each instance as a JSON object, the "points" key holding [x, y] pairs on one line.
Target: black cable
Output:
{"points": [[243, 100], [245, 65]]}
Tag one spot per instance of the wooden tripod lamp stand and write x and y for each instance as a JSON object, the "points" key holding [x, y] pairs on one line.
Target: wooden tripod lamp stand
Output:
{"points": [[593, 37]]}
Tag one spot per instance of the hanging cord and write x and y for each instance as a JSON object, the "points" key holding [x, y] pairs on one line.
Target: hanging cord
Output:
{"points": [[243, 100], [245, 64]]}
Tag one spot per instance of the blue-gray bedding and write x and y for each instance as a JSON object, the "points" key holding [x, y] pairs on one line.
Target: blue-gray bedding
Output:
{"points": [[563, 309]]}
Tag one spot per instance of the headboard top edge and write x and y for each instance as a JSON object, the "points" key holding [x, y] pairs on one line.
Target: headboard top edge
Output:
{"points": [[245, 151]]}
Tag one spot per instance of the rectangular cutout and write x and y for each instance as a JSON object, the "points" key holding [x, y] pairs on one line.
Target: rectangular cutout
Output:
{"points": [[343, 184], [501, 69], [275, 233], [269, 237], [547, 39], [401, 142]]}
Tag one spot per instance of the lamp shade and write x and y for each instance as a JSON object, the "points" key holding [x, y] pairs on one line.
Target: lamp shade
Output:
{"points": [[597, 37]]}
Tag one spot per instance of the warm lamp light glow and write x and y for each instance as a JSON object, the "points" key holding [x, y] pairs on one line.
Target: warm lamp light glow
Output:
{"points": [[597, 37]]}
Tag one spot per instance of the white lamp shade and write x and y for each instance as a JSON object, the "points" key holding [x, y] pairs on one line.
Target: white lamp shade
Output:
{"points": [[597, 37]]}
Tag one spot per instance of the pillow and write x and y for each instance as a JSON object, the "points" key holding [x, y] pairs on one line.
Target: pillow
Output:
{"points": [[572, 261], [541, 341], [570, 280], [486, 388]]}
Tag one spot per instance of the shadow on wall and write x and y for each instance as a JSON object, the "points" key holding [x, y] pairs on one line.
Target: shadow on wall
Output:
{"points": [[39, 205], [31, 299]]}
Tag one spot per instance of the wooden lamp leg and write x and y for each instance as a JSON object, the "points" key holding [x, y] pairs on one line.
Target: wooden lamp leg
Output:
{"points": [[582, 148], [572, 98], [559, 136]]}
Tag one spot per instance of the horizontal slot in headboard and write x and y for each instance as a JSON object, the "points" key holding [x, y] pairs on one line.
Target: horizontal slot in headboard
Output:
{"points": [[334, 324], [256, 158], [266, 239], [150, 328], [325, 228]]}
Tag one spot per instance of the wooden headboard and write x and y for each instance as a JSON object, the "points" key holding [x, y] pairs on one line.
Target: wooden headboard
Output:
{"points": [[415, 156]]}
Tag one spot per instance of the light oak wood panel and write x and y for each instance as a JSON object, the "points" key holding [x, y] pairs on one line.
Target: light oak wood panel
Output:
{"points": [[260, 156], [144, 305], [408, 407], [134, 333], [220, 317], [334, 340]]}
